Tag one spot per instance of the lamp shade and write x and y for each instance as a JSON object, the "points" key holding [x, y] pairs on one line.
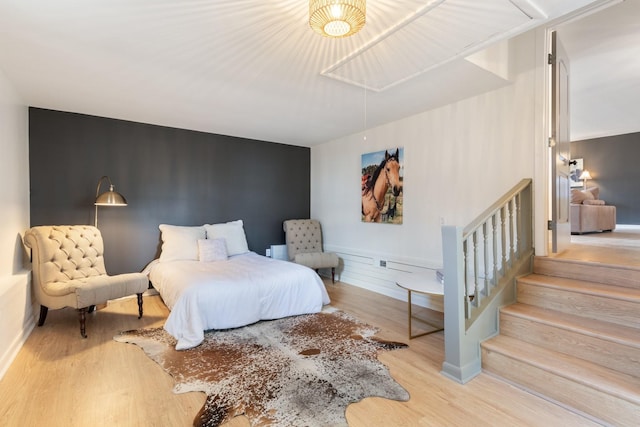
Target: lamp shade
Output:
{"points": [[108, 198], [585, 175], [337, 18], [111, 198]]}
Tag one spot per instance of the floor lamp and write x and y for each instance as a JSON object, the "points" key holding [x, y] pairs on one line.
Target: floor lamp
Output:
{"points": [[108, 198]]}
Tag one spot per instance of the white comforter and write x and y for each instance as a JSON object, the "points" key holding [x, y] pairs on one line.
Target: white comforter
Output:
{"points": [[237, 292]]}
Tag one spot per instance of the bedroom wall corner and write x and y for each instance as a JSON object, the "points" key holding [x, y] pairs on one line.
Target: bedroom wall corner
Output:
{"points": [[16, 307]]}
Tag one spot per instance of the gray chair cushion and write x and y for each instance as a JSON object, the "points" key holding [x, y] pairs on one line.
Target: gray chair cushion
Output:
{"points": [[317, 260]]}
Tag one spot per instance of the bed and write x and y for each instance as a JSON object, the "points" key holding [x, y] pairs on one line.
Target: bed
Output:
{"points": [[209, 279]]}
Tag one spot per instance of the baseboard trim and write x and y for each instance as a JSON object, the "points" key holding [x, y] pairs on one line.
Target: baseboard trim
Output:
{"points": [[462, 374], [7, 358]]}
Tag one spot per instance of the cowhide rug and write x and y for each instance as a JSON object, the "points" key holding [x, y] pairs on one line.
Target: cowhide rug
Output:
{"points": [[298, 371]]}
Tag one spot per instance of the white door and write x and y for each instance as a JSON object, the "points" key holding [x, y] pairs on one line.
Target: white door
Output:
{"points": [[560, 147]]}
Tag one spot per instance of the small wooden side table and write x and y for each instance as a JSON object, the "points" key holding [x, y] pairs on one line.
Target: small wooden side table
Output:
{"points": [[422, 284]]}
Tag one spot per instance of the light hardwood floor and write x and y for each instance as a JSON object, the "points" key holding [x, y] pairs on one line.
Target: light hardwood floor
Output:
{"points": [[620, 246], [60, 379]]}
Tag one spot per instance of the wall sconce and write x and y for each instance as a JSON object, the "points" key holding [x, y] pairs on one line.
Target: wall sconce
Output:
{"points": [[108, 198], [584, 176]]}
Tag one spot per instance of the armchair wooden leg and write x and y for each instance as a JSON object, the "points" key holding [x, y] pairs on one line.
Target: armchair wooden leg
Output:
{"points": [[82, 314], [140, 306], [43, 315], [333, 275]]}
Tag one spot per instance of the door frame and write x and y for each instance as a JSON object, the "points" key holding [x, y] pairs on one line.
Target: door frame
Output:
{"points": [[542, 98]]}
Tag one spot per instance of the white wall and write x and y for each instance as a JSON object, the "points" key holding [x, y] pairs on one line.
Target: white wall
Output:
{"points": [[16, 313], [458, 160]]}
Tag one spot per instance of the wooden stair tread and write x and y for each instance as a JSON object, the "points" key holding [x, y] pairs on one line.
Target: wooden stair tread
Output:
{"points": [[584, 287], [625, 335], [598, 264], [612, 382], [606, 273]]}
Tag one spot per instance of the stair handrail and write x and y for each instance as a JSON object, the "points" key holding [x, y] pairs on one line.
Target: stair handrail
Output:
{"points": [[481, 262], [490, 211]]}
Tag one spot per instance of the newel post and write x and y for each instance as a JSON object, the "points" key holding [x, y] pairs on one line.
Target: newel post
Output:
{"points": [[462, 358]]}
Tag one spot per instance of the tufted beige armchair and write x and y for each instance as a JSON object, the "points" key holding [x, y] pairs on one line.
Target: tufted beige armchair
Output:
{"points": [[304, 245], [68, 271]]}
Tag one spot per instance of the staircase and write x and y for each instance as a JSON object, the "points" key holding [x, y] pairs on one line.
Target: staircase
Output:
{"points": [[573, 337]]}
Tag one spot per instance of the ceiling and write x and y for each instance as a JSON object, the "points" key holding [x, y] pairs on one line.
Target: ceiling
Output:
{"points": [[254, 68], [604, 54]]}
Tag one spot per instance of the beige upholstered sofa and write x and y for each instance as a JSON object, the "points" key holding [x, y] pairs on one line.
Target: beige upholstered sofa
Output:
{"points": [[589, 213], [68, 271], [304, 245]]}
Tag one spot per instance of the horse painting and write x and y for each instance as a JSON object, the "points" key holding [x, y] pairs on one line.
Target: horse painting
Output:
{"points": [[375, 187]]}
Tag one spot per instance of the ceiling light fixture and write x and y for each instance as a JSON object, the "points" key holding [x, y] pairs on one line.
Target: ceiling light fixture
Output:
{"points": [[337, 18]]}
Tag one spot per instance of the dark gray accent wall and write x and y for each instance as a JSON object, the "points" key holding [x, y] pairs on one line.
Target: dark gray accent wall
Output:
{"points": [[168, 175], [612, 162]]}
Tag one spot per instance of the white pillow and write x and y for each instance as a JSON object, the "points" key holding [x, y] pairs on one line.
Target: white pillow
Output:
{"points": [[233, 233], [212, 250], [180, 242]]}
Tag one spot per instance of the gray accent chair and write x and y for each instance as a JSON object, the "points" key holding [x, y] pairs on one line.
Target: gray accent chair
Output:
{"points": [[304, 245], [68, 271]]}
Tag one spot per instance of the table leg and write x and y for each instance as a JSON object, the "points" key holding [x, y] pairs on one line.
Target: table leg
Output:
{"points": [[411, 317], [409, 311]]}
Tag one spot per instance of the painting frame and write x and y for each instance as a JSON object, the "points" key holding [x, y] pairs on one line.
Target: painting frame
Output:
{"points": [[382, 184], [576, 167]]}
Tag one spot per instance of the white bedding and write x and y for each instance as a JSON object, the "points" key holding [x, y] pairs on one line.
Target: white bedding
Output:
{"points": [[237, 292]]}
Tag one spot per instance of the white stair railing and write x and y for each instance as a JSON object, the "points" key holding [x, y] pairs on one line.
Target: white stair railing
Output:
{"points": [[481, 263]]}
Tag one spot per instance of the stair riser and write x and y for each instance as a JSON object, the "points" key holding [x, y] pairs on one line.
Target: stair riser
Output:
{"points": [[629, 278], [602, 351], [591, 401], [612, 310]]}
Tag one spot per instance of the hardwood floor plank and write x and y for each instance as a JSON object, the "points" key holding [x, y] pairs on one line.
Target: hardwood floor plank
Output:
{"points": [[60, 379]]}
